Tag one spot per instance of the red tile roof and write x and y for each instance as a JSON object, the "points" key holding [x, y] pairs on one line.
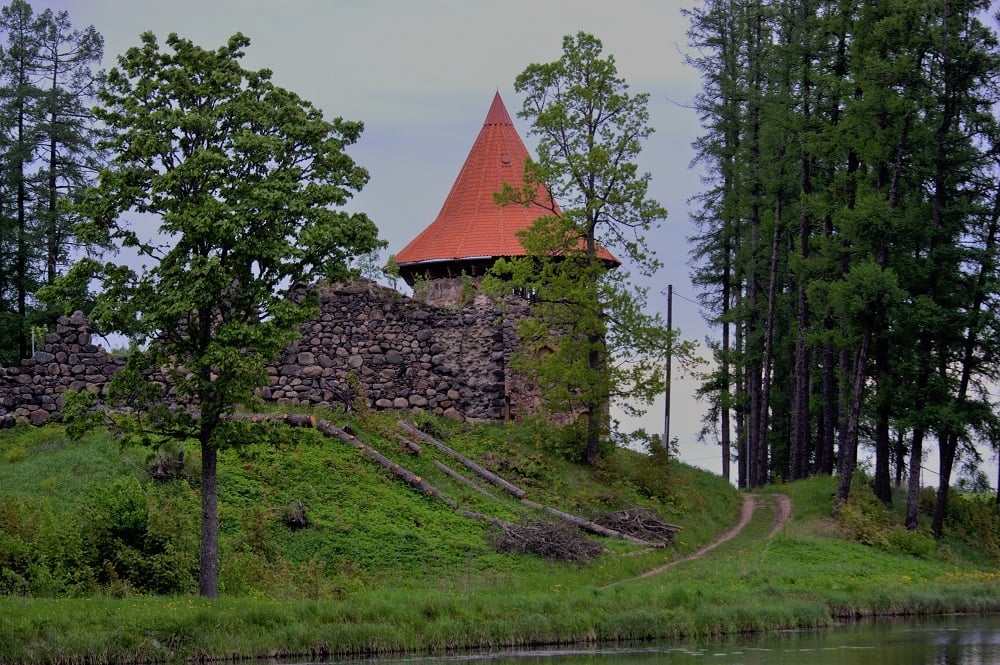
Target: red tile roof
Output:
{"points": [[471, 225]]}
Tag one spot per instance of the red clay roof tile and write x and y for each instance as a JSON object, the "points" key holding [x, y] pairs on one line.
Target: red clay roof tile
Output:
{"points": [[471, 225]]}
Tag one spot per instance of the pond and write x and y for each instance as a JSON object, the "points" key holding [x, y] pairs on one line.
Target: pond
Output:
{"points": [[953, 640]]}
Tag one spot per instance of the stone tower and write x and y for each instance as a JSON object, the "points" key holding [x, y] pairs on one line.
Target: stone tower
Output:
{"points": [[472, 231]]}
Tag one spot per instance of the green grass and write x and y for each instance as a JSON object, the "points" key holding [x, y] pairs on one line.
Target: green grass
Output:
{"points": [[36, 462], [384, 569]]}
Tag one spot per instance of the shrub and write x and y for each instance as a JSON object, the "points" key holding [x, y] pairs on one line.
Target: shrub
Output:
{"points": [[865, 520], [38, 549], [138, 542], [169, 463], [976, 521], [15, 454], [651, 473], [914, 543]]}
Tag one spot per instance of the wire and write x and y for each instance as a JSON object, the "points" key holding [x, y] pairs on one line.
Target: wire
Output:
{"points": [[678, 295]]}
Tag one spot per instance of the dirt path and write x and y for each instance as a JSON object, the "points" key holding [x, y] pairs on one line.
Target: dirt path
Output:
{"points": [[782, 513]]}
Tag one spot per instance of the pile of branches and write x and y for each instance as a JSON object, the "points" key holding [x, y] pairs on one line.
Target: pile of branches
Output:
{"points": [[552, 540], [638, 522]]}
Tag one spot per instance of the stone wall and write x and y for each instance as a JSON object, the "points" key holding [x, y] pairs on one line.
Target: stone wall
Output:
{"points": [[368, 342], [67, 360]]}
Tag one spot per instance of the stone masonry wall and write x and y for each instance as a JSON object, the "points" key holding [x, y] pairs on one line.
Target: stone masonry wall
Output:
{"points": [[367, 341]]}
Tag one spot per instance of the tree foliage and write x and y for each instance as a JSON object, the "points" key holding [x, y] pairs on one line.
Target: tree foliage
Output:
{"points": [[847, 233], [244, 180], [48, 156], [590, 340]]}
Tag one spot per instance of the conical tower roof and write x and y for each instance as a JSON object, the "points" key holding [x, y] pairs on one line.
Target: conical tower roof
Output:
{"points": [[472, 230]]}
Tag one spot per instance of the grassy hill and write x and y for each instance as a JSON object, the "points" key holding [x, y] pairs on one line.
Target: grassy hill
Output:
{"points": [[325, 552], [308, 516]]}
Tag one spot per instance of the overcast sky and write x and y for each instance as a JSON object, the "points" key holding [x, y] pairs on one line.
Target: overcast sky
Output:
{"points": [[421, 75]]}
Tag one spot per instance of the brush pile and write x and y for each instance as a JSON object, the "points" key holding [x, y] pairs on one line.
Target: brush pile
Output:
{"points": [[638, 522], [552, 540]]}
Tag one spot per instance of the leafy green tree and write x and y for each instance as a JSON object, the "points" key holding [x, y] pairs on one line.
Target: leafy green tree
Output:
{"points": [[244, 178], [848, 146], [590, 131]]}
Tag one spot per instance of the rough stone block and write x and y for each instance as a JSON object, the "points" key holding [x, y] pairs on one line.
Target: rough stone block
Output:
{"points": [[312, 371]]}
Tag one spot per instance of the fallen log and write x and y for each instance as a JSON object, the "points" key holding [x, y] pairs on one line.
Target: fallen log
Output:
{"points": [[469, 464], [473, 515], [587, 525], [329, 429], [462, 479], [411, 446]]}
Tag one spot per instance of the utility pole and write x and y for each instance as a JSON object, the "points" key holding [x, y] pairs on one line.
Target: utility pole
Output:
{"points": [[670, 353]]}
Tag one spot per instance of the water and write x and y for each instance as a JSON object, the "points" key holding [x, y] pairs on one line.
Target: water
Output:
{"points": [[966, 640]]}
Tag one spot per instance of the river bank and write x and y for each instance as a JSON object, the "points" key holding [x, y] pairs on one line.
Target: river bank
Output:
{"points": [[757, 582], [382, 569]]}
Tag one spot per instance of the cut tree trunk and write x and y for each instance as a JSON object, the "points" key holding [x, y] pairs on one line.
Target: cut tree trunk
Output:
{"points": [[587, 525], [462, 479], [469, 464]]}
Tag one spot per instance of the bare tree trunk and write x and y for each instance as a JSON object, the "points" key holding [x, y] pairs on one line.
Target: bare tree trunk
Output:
{"points": [[899, 449], [742, 436], [54, 239], [725, 397], [913, 482], [208, 570], [763, 452], [22, 233], [849, 443], [828, 413], [947, 452], [883, 484]]}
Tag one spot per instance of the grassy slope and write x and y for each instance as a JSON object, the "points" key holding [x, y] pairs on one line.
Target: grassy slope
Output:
{"points": [[383, 568]]}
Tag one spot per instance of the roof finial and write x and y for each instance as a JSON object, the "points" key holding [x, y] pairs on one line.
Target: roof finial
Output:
{"points": [[498, 112]]}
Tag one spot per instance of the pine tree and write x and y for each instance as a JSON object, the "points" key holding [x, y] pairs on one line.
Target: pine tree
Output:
{"points": [[47, 83]]}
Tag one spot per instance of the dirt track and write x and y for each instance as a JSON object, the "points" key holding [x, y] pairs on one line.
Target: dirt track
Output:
{"points": [[782, 513]]}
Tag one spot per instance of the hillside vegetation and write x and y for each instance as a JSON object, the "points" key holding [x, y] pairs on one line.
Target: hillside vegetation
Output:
{"points": [[324, 551], [308, 516]]}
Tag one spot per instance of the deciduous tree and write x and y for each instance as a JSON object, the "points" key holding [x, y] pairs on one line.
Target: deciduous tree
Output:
{"points": [[244, 179], [590, 130]]}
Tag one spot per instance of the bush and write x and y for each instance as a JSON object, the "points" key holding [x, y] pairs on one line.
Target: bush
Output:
{"points": [[38, 549], [976, 521], [140, 541], [865, 520], [169, 463], [914, 543]]}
